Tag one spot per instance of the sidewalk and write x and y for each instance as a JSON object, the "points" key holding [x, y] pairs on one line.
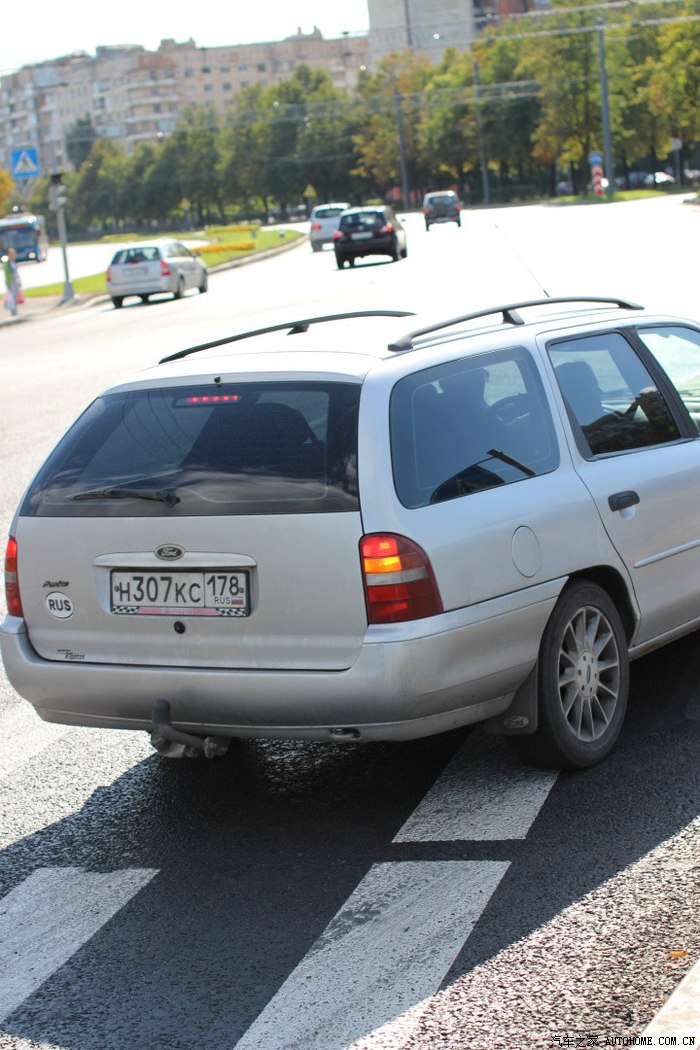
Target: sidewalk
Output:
{"points": [[37, 306]]}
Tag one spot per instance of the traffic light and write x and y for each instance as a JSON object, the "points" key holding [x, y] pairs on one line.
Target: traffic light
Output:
{"points": [[57, 192]]}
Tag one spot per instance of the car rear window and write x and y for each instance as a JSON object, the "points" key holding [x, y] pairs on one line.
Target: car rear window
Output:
{"points": [[247, 448], [361, 220], [328, 213], [148, 253], [470, 425]]}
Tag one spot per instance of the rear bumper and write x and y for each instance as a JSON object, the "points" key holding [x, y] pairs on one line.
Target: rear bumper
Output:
{"points": [[377, 246], [410, 680]]}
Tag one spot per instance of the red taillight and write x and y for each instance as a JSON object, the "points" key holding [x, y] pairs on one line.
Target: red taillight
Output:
{"points": [[316, 226], [389, 228], [108, 275], [164, 269], [12, 598], [399, 580], [337, 235]]}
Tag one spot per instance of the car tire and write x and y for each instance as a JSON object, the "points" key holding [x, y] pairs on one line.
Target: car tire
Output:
{"points": [[459, 222], [117, 300], [395, 253], [340, 261], [204, 286], [583, 682], [404, 253], [180, 290], [427, 227], [144, 298]]}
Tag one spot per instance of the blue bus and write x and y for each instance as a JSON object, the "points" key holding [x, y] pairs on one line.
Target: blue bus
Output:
{"points": [[26, 234]]}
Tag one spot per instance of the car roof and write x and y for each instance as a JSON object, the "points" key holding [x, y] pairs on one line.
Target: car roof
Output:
{"points": [[352, 345], [366, 207]]}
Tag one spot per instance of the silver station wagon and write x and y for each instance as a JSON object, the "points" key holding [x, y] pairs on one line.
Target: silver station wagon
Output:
{"points": [[375, 530]]}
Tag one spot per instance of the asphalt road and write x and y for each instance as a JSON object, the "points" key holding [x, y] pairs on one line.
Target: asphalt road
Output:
{"points": [[299, 896]]}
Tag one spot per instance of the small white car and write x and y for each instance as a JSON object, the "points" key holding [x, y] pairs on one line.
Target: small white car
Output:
{"points": [[379, 529], [152, 267], [323, 222]]}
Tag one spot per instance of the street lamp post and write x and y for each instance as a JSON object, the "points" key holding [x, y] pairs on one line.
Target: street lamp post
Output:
{"points": [[402, 152], [57, 203], [605, 107]]}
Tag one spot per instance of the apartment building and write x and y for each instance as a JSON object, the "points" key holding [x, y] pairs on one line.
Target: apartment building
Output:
{"points": [[133, 95]]}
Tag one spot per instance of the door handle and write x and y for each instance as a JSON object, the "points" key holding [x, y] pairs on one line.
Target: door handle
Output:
{"points": [[622, 500]]}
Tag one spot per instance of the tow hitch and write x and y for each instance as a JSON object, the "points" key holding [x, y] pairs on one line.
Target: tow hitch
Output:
{"points": [[171, 743]]}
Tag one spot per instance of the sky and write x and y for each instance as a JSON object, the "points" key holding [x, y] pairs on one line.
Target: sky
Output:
{"points": [[56, 29]]}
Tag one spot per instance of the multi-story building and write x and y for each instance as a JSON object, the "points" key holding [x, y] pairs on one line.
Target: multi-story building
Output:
{"points": [[133, 95], [429, 26]]}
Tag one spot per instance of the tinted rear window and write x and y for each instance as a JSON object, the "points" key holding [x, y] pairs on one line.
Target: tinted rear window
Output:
{"points": [[362, 220], [249, 448]]}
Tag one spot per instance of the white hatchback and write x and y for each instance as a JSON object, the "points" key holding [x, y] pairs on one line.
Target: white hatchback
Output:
{"points": [[150, 268], [370, 533], [323, 222]]}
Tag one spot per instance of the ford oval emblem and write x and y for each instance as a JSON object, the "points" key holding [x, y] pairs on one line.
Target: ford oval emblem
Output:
{"points": [[169, 551]]}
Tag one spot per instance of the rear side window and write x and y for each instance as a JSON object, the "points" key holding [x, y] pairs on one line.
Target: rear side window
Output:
{"points": [[328, 213], [249, 448], [470, 425], [677, 349], [611, 398]]}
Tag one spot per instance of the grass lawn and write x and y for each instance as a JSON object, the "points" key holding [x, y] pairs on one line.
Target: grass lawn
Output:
{"points": [[227, 243]]}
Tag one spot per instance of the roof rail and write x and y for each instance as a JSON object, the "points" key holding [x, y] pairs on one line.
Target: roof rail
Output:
{"points": [[510, 315], [295, 327]]}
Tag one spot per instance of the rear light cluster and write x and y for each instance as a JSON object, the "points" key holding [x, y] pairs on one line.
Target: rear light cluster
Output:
{"points": [[389, 228], [12, 598], [398, 578], [315, 225], [164, 269]]}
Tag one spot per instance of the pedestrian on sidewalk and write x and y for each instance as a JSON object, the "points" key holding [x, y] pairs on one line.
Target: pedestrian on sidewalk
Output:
{"points": [[13, 285]]}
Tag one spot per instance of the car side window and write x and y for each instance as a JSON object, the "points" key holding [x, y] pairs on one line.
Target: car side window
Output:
{"points": [[470, 425], [677, 349], [612, 400]]}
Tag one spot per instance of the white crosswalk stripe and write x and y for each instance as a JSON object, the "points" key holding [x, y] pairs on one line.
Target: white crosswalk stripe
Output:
{"points": [[484, 794], [46, 919], [388, 948]]}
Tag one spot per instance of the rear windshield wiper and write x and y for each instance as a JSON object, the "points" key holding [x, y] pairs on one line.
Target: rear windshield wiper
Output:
{"points": [[160, 495]]}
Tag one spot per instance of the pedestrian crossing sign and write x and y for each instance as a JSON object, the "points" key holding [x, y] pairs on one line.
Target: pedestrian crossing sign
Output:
{"points": [[25, 163]]}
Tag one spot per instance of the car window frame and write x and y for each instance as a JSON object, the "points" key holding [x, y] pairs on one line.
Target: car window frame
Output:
{"points": [[670, 395]]}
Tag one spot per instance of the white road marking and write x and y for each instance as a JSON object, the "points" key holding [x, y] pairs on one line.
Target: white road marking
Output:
{"points": [[484, 794], [46, 919], [388, 948], [680, 1015], [23, 736]]}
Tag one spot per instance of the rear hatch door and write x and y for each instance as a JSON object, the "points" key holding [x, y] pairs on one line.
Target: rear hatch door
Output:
{"points": [[168, 528]]}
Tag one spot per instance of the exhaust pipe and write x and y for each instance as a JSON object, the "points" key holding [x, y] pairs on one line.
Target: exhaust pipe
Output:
{"points": [[172, 743]]}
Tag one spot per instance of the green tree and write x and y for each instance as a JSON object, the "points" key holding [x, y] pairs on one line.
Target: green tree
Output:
{"points": [[79, 140], [196, 143], [99, 190], [7, 188], [389, 102]]}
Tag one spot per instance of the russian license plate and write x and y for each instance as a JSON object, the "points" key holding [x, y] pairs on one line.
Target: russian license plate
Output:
{"points": [[209, 593], [363, 236]]}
